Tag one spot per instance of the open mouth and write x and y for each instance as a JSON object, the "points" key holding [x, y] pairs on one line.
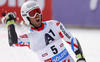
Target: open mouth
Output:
{"points": [[37, 20]]}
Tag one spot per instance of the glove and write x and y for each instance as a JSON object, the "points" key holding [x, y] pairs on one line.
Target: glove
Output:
{"points": [[80, 58], [10, 18]]}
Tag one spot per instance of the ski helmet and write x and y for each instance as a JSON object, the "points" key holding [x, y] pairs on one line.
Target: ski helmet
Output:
{"points": [[26, 8]]}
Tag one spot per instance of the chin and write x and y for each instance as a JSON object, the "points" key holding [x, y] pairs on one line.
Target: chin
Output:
{"points": [[40, 25]]}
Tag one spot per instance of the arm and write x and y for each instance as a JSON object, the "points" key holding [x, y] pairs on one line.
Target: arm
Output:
{"points": [[10, 21], [12, 36], [73, 42], [79, 53]]}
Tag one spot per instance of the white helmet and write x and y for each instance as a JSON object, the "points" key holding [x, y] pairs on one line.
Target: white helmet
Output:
{"points": [[26, 7]]}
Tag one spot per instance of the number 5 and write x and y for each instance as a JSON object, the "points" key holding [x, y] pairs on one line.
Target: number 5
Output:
{"points": [[54, 49]]}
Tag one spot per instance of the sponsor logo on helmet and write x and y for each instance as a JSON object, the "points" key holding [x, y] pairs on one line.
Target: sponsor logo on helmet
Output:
{"points": [[24, 14], [31, 5], [22, 11]]}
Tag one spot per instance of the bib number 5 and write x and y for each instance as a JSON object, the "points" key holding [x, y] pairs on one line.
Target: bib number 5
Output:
{"points": [[54, 49]]}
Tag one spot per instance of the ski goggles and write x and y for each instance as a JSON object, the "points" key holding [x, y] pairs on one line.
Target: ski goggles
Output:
{"points": [[34, 12]]}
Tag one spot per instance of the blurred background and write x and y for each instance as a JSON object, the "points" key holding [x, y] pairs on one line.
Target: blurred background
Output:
{"points": [[81, 17], [84, 13]]}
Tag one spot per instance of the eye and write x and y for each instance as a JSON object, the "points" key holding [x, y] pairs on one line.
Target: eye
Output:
{"points": [[31, 13]]}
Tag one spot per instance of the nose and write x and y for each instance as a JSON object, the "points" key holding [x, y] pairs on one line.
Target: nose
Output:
{"points": [[37, 15]]}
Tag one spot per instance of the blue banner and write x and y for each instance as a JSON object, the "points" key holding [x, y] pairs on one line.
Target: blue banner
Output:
{"points": [[77, 12]]}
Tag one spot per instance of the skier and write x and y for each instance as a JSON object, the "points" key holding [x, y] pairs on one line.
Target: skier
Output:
{"points": [[45, 38]]}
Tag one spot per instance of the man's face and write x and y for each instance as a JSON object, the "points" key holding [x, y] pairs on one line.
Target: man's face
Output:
{"points": [[36, 21]]}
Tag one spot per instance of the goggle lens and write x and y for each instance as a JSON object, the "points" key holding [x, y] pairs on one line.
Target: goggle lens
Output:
{"points": [[33, 12]]}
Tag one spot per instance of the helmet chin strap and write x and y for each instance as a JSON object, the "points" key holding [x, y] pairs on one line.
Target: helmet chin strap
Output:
{"points": [[35, 26]]}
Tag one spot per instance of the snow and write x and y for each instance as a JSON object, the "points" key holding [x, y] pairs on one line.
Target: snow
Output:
{"points": [[88, 38]]}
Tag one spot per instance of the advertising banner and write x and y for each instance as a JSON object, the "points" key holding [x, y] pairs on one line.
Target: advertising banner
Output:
{"points": [[15, 6], [77, 12], [69, 12]]}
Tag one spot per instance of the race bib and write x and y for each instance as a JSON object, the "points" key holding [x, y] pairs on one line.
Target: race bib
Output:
{"points": [[54, 52]]}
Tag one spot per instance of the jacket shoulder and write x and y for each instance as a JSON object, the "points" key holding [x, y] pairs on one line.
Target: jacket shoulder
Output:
{"points": [[53, 22]]}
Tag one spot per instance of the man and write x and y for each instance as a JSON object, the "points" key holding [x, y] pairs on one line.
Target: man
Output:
{"points": [[45, 38]]}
